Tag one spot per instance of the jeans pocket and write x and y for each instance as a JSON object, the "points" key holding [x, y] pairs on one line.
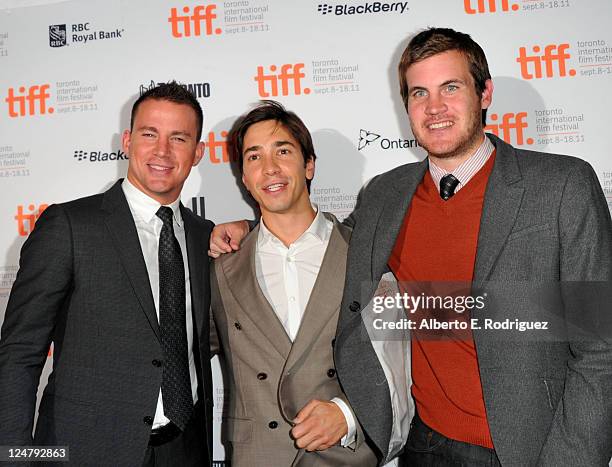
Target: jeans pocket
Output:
{"points": [[423, 439]]}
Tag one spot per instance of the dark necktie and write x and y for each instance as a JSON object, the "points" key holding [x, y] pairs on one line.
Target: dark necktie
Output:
{"points": [[176, 384], [448, 184]]}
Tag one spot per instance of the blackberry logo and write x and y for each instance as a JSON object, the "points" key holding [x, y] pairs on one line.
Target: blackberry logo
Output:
{"points": [[100, 156], [366, 137], [363, 9], [80, 155], [57, 35]]}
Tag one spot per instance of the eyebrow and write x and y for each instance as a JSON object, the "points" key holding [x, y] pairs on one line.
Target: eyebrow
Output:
{"points": [[174, 133], [276, 144]]}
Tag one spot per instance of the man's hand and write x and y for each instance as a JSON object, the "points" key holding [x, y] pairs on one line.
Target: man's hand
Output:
{"points": [[226, 238], [319, 426]]}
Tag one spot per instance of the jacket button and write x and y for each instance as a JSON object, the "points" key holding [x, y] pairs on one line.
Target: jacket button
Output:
{"points": [[148, 420], [331, 372], [273, 424], [354, 306], [156, 363], [261, 376], [237, 325]]}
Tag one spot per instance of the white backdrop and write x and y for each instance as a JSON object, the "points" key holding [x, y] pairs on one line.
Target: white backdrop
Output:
{"points": [[69, 71]]}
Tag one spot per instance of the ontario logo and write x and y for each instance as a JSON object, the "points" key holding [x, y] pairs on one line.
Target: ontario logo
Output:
{"points": [[367, 137], [345, 9], [199, 90], [100, 156]]}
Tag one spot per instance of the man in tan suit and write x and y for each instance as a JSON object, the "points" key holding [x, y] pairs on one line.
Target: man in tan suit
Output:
{"points": [[275, 307]]}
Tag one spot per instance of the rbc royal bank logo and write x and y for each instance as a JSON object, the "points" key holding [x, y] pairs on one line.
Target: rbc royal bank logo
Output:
{"points": [[290, 78], [57, 35], [549, 63], [199, 22], [488, 6]]}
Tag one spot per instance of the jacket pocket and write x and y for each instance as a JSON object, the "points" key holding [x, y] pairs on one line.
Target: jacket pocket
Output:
{"points": [[239, 430]]}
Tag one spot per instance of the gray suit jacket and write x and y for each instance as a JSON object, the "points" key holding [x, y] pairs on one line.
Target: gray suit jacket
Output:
{"points": [[270, 378], [544, 219], [83, 285]]}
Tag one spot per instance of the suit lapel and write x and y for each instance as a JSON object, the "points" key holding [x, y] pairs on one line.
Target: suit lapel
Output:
{"points": [[326, 294], [120, 224], [501, 205], [392, 217], [239, 270], [195, 239]]}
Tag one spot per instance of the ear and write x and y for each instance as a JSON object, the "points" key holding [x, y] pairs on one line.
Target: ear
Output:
{"points": [[310, 169], [126, 138], [199, 153], [487, 95]]}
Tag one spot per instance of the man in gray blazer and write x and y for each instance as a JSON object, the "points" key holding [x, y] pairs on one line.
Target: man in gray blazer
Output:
{"points": [[275, 305], [118, 282], [542, 219]]}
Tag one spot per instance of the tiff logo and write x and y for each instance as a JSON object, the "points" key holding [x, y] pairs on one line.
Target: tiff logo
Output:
{"points": [[531, 65], [488, 6], [26, 220], [182, 24], [267, 84], [511, 128], [198, 206], [212, 144], [325, 9], [35, 95]]}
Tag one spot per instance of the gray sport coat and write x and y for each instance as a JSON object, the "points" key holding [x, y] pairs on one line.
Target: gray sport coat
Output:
{"points": [[83, 285], [544, 219]]}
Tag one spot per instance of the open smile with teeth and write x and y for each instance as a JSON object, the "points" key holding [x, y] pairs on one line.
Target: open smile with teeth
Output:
{"points": [[275, 187], [159, 168], [439, 125]]}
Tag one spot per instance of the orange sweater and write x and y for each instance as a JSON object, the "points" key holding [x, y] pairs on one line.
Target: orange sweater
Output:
{"points": [[437, 242]]}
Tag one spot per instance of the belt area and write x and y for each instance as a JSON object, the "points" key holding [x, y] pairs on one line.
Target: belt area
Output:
{"points": [[164, 434]]}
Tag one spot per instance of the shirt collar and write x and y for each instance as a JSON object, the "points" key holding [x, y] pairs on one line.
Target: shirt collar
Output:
{"points": [[318, 230], [468, 168], [145, 207]]}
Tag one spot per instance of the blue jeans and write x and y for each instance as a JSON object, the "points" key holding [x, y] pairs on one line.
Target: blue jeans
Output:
{"points": [[428, 448]]}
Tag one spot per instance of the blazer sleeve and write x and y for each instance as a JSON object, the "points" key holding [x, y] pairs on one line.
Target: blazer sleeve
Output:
{"points": [[215, 307], [581, 430], [42, 285]]}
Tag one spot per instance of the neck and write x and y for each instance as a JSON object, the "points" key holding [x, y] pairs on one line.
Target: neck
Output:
{"points": [[288, 227], [450, 162]]}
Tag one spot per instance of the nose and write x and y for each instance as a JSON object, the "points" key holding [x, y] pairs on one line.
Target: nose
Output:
{"points": [[435, 104], [161, 148], [270, 165]]}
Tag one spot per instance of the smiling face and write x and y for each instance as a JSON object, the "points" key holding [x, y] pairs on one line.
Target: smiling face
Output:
{"points": [[274, 171], [444, 107], [162, 148]]}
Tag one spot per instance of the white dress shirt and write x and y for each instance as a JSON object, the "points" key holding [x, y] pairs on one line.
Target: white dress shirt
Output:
{"points": [[286, 276], [149, 226]]}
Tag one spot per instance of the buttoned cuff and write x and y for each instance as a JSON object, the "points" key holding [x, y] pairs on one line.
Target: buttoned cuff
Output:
{"points": [[351, 436]]}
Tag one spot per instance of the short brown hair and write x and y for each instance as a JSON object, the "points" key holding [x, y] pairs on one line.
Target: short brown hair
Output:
{"points": [[270, 110], [434, 41]]}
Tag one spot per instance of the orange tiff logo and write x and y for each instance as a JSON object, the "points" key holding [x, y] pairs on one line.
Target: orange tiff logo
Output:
{"points": [[488, 6], [511, 128], [212, 144], [267, 83], [26, 220], [28, 101], [190, 23], [554, 54]]}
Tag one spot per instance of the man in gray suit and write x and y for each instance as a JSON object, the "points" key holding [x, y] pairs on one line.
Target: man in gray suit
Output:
{"points": [[118, 282], [275, 305], [483, 212]]}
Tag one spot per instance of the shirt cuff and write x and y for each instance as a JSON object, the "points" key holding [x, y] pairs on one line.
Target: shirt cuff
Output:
{"points": [[351, 435]]}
